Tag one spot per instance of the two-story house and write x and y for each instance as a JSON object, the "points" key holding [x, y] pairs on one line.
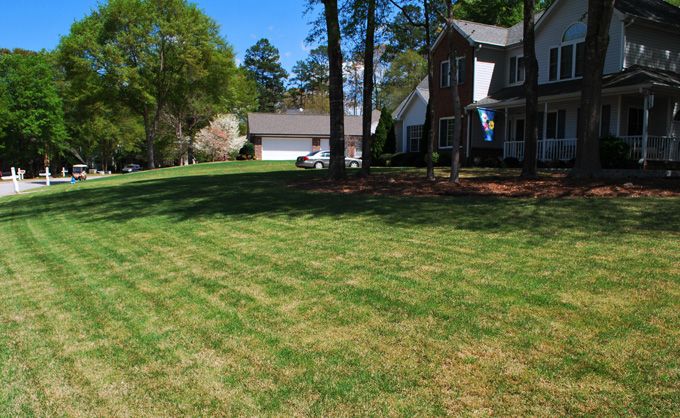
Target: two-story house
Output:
{"points": [[641, 81]]}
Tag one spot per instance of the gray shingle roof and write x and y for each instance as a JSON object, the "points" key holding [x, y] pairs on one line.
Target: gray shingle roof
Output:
{"points": [[494, 35], [303, 124], [657, 11]]}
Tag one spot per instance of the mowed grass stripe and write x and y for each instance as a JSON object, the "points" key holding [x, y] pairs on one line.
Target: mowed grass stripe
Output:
{"points": [[219, 289]]}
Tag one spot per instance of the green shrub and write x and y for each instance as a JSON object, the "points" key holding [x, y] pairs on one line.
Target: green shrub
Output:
{"points": [[615, 153], [383, 160], [248, 151], [382, 135]]}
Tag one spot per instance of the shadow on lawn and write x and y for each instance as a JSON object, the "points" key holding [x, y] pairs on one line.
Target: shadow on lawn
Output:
{"points": [[270, 194]]}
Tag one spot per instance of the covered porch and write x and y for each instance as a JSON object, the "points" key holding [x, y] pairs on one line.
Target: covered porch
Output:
{"points": [[639, 106]]}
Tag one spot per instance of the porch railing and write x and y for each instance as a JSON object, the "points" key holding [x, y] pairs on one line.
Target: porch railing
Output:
{"points": [[659, 148], [546, 150]]}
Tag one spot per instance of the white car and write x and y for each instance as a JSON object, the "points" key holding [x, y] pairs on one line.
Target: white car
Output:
{"points": [[131, 168]]}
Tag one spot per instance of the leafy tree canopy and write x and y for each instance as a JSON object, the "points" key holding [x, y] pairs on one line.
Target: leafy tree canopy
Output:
{"points": [[31, 107], [407, 70], [145, 52]]}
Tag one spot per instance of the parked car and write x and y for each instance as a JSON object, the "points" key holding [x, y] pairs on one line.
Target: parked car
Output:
{"points": [[131, 168], [79, 172], [322, 159]]}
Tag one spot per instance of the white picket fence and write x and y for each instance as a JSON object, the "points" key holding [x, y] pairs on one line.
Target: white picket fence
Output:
{"points": [[659, 148], [546, 150]]}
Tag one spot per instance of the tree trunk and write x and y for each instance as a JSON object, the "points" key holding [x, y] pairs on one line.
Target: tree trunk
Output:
{"points": [[430, 85], [457, 107], [150, 137], [367, 139], [531, 92], [337, 102], [597, 40]]}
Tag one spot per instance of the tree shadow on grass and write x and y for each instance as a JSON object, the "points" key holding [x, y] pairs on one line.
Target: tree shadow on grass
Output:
{"points": [[270, 194]]}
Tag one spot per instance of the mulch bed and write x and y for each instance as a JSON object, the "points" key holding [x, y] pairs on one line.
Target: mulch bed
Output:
{"points": [[547, 186]]}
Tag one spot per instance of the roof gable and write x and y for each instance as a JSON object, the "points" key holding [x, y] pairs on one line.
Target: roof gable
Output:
{"points": [[421, 92]]}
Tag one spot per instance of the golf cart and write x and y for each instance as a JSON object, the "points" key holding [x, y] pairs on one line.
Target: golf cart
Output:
{"points": [[79, 172]]}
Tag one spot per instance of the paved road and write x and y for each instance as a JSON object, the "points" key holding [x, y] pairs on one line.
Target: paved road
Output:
{"points": [[6, 187]]}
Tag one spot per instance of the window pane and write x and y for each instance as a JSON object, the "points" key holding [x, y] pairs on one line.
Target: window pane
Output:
{"points": [[445, 76], [580, 58], [414, 135], [605, 123], [519, 130], [553, 64], [561, 123], [634, 121], [445, 133], [574, 32], [513, 70], [551, 132], [520, 69], [567, 58]]}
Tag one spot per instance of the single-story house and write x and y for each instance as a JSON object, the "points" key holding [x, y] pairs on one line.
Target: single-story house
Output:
{"points": [[288, 136]]}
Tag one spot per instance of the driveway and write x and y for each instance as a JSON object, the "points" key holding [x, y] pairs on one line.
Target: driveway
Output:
{"points": [[6, 187]]}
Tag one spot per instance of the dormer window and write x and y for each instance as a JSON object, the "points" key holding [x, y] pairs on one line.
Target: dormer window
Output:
{"points": [[567, 60]]}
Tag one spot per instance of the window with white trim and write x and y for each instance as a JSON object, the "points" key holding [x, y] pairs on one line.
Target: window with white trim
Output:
{"points": [[567, 59], [517, 70], [445, 132], [445, 72], [414, 134]]}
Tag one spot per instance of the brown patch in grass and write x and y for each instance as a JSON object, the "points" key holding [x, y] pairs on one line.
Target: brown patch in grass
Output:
{"points": [[553, 185]]}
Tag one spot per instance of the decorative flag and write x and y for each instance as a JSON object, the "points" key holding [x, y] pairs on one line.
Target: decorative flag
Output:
{"points": [[486, 116]]}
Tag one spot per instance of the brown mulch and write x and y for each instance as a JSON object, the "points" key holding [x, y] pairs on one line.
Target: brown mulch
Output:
{"points": [[547, 186]]}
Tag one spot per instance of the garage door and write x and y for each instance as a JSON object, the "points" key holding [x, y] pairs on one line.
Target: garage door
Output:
{"points": [[285, 148]]}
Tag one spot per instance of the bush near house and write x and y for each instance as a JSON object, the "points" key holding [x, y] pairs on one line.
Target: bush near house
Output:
{"points": [[615, 153]]}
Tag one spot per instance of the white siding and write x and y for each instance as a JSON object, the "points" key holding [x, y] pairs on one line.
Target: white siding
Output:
{"points": [[550, 32], [414, 115], [489, 72], [652, 48]]}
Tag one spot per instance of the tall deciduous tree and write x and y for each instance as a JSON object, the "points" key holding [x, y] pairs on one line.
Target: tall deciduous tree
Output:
{"points": [[369, 46], [262, 63], [33, 110], [454, 177], [142, 49], [531, 91], [597, 40], [426, 24], [337, 102]]}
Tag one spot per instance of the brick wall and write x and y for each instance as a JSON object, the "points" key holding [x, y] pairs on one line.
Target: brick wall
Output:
{"points": [[257, 143], [442, 98]]}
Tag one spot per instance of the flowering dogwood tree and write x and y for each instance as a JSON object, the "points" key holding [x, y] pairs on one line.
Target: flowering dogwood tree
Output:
{"points": [[221, 139]]}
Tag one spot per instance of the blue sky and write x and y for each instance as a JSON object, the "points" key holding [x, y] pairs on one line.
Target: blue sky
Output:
{"points": [[37, 24]]}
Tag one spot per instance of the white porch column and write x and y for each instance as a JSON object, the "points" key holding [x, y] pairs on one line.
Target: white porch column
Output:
{"points": [[469, 135], [648, 104], [620, 113], [545, 129]]}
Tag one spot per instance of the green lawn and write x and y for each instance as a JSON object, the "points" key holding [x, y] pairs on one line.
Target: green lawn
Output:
{"points": [[218, 289]]}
